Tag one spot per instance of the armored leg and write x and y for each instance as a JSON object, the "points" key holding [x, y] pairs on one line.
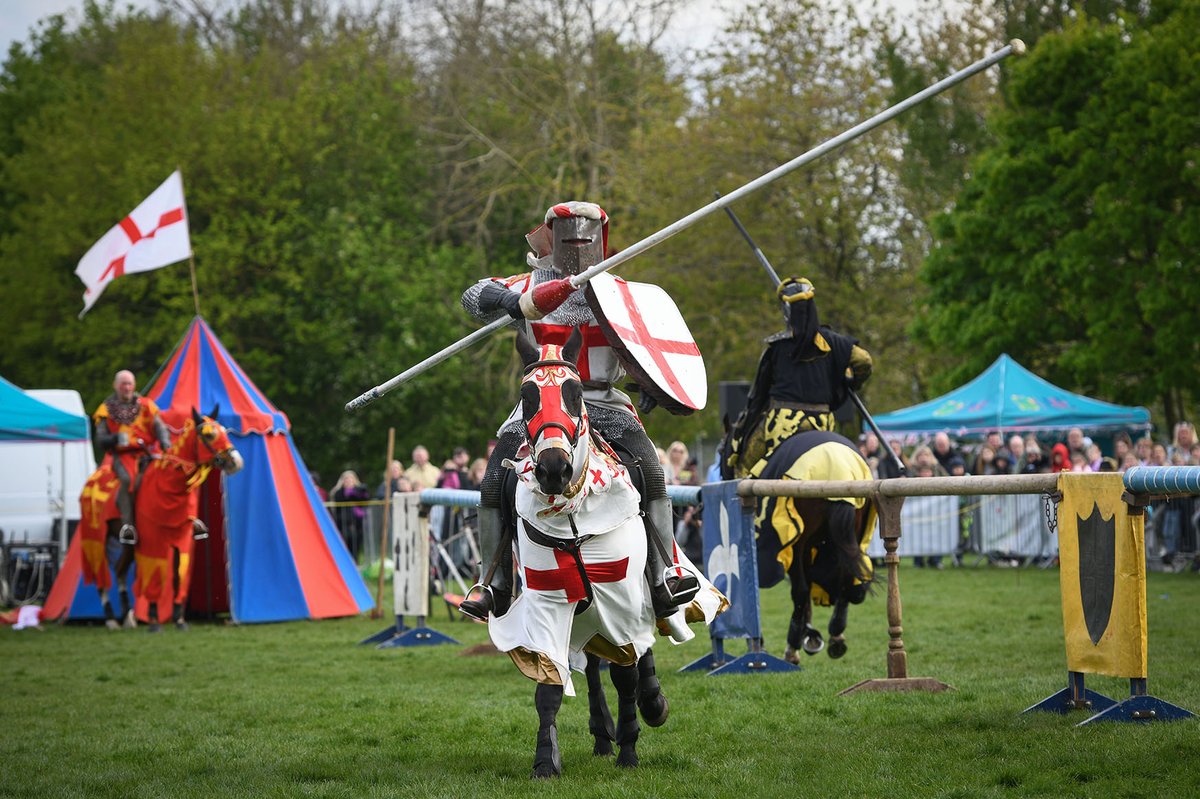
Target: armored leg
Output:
{"points": [[128, 532], [652, 702], [600, 723], [668, 589], [496, 596]]}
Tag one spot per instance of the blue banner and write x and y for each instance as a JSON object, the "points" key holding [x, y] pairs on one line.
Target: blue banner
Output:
{"points": [[729, 559]]}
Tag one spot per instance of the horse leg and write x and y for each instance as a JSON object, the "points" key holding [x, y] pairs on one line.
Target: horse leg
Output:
{"points": [[837, 626], [600, 723], [547, 762], [801, 634], [177, 609], [110, 620], [625, 679], [652, 702], [843, 530], [122, 569]]}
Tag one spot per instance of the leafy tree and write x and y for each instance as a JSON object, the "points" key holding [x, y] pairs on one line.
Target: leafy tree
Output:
{"points": [[1074, 246]]}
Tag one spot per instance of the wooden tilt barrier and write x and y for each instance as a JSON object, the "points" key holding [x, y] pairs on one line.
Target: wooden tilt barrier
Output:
{"points": [[888, 496]]}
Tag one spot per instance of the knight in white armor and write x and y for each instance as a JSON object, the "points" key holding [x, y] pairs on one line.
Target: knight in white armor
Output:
{"points": [[573, 237]]}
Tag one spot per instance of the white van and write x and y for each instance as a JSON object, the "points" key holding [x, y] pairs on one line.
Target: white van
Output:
{"points": [[38, 479]]}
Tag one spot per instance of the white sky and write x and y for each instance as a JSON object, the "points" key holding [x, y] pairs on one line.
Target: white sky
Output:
{"points": [[695, 27]]}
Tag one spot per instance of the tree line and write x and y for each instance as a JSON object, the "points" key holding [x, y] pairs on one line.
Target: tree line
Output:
{"points": [[350, 169]]}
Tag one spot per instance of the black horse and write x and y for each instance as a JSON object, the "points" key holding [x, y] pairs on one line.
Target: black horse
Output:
{"points": [[819, 543]]}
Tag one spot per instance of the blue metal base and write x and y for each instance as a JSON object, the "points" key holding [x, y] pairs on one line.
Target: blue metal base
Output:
{"points": [[386, 634], [1066, 701], [417, 636], [706, 664], [1140, 708], [754, 663]]}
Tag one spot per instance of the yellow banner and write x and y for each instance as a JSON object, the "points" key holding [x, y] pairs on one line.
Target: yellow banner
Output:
{"points": [[1102, 576]]}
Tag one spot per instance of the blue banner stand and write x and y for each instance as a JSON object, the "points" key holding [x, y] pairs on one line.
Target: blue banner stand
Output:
{"points": [[1074, 697], [1140, 707], [730, 561], [402, 635]]}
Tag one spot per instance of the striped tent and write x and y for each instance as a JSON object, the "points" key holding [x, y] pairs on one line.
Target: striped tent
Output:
{"points": [[273, 552]]}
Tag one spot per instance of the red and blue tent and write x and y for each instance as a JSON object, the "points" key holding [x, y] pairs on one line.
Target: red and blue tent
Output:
{"points": [[273, 552]]}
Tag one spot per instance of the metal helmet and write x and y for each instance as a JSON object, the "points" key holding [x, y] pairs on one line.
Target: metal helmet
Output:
{"points": [[574, 236], [797, 295]]}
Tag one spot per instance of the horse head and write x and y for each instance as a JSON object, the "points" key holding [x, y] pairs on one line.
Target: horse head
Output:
{"points": [[556, 423], [212, 444]]}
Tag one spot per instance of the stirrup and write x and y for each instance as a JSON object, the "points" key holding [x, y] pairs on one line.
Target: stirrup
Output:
{"points": [[681, 588], [478, 609], [127, 534]]}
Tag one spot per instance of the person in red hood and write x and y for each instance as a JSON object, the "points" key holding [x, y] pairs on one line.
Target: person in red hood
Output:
{"points": [[1060, 458]]}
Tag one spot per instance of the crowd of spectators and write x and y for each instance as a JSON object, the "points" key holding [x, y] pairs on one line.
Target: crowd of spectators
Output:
{"points": [[1172, 526]]}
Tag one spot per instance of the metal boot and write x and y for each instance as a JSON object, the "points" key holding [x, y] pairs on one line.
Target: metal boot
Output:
{"points": [[670, 587], [496, 597]]}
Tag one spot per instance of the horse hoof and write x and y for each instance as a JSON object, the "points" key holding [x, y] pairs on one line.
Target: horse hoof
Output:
{"points": [[154, 627], [602, 748], [130, 621], [837, 648], [655, 713], [627, 758], [813, 644], [112, 624], [545, 771], [182, 626], [791, 656]]}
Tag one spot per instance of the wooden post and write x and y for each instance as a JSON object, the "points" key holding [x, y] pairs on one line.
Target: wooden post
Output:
{"points": [[383, 530], [897, 659]]}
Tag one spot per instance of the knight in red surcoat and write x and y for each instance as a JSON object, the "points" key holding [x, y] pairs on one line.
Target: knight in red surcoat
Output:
{"points": [[573, 237], [128, 428]]}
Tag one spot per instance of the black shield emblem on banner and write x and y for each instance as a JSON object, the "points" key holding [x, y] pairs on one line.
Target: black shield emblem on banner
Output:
{"points": [[1097, 570]]}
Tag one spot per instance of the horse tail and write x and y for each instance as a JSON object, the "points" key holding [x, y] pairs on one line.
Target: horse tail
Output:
{"points": [[842, 524]]}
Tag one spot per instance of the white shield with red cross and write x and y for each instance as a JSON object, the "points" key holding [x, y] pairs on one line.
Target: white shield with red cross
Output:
{"points": [[648, 333]]}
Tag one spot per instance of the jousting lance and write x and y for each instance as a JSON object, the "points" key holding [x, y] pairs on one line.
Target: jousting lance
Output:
{"points": [[1015, 47], [857, 400]]}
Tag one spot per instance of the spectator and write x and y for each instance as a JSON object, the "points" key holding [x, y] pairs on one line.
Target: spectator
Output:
{"points": [[1143, 449], [1016, 446], [316, 480], [1130, 461], [665, 463], [888, 469], [984, 461], [1075, 441], [1093, 457], [349, 516], [1079, 462], [1158, 455], [475, 473], [677, 459], [391, 481], [1002, 463], [1060, 458], [422, 474], [994, 440], [1122, 446], [924, 459], [1035, 463], [1184, 438], [943, 450]]}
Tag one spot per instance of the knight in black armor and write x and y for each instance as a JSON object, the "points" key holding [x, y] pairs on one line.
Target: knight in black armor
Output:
{"points": [[573, 238], [804, 374]]}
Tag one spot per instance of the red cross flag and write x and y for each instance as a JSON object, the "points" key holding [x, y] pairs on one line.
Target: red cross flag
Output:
{"points": [[154, 235]]}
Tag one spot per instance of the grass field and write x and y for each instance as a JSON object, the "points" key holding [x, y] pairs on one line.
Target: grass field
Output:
{"points": [[299, 710]]}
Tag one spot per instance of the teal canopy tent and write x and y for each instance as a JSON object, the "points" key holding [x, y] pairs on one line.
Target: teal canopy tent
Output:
{"points": [[1007, 396], [23, 418]]}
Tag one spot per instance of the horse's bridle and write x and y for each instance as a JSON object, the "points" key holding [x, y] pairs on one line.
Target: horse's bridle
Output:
{"points": [[570, 432]]}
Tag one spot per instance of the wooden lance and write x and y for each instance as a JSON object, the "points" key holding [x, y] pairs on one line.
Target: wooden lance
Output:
{"points": [[1015, 47]]}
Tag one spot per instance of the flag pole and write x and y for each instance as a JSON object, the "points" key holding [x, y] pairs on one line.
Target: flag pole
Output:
{"points": [[195, 292], [377, 612]]}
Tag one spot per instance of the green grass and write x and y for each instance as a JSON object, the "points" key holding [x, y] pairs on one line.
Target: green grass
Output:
{"points": [[299, 710]]}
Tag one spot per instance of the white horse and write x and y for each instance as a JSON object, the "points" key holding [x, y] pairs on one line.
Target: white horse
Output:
{"points": [[581, 547]]}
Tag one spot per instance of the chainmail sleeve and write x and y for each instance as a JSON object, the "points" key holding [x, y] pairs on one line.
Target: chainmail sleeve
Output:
{"points": [[105, 438], [470, 297]]}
